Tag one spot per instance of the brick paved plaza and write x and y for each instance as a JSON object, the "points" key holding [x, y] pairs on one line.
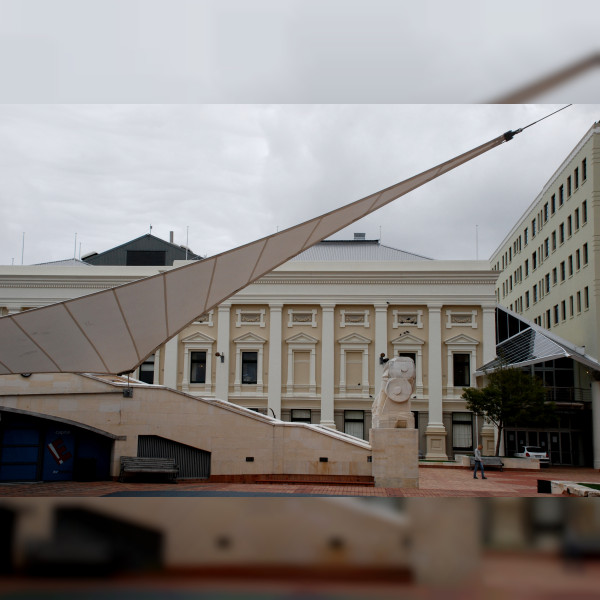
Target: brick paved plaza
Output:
{"points": [[433, 482]]}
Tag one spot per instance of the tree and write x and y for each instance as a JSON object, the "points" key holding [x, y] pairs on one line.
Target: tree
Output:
{"points": [[511, 396]]}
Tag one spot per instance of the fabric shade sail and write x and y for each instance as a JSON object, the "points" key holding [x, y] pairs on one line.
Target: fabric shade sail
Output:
{"points": [[115, 330]]}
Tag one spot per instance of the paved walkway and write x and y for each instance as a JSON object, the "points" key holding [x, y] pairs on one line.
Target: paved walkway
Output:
{"points": [[433, 482]]}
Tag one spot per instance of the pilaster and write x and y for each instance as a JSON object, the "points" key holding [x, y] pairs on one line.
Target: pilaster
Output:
{"points": [[275, 341], [327, 366], [222, 368]]}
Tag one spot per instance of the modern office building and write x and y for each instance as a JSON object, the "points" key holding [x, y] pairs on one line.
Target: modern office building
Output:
{"points": [[549, 262]]}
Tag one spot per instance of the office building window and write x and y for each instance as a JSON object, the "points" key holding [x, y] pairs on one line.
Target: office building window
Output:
{"points": [[570, 262], [462, 370], [576, 219], [556, 314], [197, 367], [545, 212], [562, 271], [534, 261], [561, 195], [249, 367], [546, 247], [462, 431], [578, 302], [563, 310], [586, 297], [527, 299], [577, 259], [576, 175], [569, 226], [585, 254], [584, 169], [554, 276], [354, 423], [535, 294], [146, 372], [300, 415], [533, 228], [547, 282], [571, 310], [526, 267], [553, 204], [569, 185], [561, 233], [526, 236], [553, 241], [584, 212], [548, 320]]}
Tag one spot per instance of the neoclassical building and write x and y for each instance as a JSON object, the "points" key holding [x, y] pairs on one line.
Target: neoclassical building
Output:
{"points": [[308, 341]]}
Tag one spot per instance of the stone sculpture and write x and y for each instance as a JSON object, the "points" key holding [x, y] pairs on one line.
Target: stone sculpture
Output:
{"points": [[391, 409]]}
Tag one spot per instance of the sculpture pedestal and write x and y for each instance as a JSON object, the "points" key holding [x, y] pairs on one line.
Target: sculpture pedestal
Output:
{"points": [[436, 442], [487, 440], [395, 457]]}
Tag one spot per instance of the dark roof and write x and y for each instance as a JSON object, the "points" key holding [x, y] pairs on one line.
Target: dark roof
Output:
{"points": [[146, 250]]}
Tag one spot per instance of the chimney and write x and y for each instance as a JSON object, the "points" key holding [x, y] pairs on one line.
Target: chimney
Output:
{"points": [[360, 237], [171, 236]]}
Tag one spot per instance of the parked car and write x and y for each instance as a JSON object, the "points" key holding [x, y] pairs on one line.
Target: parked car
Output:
{"points": [[534, 452]]}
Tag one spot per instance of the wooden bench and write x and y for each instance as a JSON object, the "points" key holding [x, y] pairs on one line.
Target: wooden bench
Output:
{"points": [[489, 461], [137, 464]]}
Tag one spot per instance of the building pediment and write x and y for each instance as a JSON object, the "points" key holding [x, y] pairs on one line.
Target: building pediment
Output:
{"points": [[354, 338], [461, 339], [249, 338], [198, 337], [302, 338], [407, 339]]}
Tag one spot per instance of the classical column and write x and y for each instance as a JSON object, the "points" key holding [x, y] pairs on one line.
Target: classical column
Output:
{"points": [[170, 374], [222, 368], [596, 419], [488, 430], [274, 381], [435, 432], [327, 366], [381, 345]]}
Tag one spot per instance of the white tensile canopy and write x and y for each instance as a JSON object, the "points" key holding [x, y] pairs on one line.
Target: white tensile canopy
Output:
{"points": [[115, 330]]}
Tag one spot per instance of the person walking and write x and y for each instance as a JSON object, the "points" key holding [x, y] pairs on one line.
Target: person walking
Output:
{"points": [[478, 463]]}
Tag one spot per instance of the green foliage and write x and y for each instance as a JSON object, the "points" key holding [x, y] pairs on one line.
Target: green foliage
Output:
{"points": [[511, 397]]}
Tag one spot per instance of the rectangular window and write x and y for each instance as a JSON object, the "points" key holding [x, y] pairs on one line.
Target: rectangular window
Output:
{"points": [[553, 241], [526, 236], [585, 254], [561, 233], [535, 294], [584, 169], [556, 318], [197, 367], [569, 185], [570, 262], [301, 367], [527, 268], [561, 195], [300, 415], [354, 423], [545, 212], [578, 302], [462, 370], [563, 310], [546, 247], [527, 299], [586, 297], [354, 369], [569, 226], [548, 321], [554, 276], [576, 219], [533, 228], [577, 259], [462, 431], [562, 271], [571, 306], [547, 282], [576, 175], [534, 260], [146, 372], [553, 204], [249, 367], [584, 211]]}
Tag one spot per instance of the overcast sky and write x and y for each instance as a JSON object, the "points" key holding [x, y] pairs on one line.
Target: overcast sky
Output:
{"points": [[235, 173], [114, 130]]}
